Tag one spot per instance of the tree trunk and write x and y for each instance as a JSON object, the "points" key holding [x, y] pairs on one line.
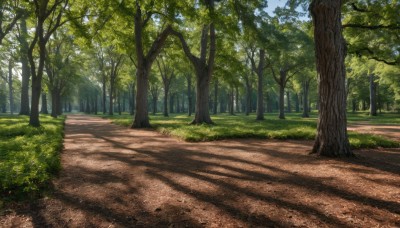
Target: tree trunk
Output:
{"points": [[289, 105], [248, 96], [10, 85], [44, 104], [296, 101], [231, 100], [104, 104], [54, 107], [124, 102], [203, 87], [372, 95], [260, 95], [306, 86], [281, 101], [141, 119], [24, 47], [189, 94], [154, 105], [177, 103], [166, 90], [36, 89], [183, 103], [237, 99], [215, 97], [111, 101], [119, 103], [331, 139], [132, 98]]}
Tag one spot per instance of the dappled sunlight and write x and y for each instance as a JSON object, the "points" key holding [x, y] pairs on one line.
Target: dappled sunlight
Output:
{"points": [[123, 177]]}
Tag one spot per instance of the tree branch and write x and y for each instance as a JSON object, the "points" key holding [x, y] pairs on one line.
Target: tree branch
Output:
{"points": [[186, 48]]}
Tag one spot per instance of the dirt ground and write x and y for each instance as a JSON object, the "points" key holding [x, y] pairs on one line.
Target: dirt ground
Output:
{"points": [[117, 177]]}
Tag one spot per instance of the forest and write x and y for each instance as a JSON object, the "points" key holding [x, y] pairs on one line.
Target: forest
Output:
{"points": [[242, 86]]}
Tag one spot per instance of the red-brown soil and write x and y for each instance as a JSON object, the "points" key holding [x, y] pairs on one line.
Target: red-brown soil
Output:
{"points": [[118, 177]]}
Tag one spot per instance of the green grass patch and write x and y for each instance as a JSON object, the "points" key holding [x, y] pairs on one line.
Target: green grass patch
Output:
{"points": [[381, 118], [240, 126], [29, 156]]}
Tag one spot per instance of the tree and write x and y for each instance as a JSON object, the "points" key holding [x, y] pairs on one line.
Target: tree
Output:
{"points": [[10, 13], [46, 13], [23, 52], [114, 60], [259, 69], [203, 67], [331, 139], [167, 75]]}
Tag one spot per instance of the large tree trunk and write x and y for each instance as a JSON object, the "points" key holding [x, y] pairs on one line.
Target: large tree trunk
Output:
{"points": [[331, 139], [202, 103], [24, 47], [306, 86], [372, 95], [141, 119]]}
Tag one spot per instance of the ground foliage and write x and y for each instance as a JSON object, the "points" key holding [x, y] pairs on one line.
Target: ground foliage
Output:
{"points": [[29, 156], [239, 126]]}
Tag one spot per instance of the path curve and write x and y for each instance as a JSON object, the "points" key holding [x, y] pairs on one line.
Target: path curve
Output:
{"points": [[118, 177]]}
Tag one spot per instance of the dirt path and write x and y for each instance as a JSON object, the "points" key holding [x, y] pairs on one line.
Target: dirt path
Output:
{"points": [[389, 131], [117, 177]]}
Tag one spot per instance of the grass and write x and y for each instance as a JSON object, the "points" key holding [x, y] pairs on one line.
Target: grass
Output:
{"points": [[240, 126], [383, 118], [28, 156]]}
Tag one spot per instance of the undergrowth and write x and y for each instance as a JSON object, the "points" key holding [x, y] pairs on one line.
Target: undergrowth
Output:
{"points": [[29, 156]]}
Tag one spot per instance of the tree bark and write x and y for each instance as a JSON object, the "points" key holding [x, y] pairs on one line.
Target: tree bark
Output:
{"points": [[231, 101], [260, 95], [372, 95], [289, 105], [331, 139], [306, 86], [204, 70], [144, 63], [189, 94], [237, 99], [248, 95], [141, 119], [24, 47], [215, 97], [297, 103], [44, 104], [281, 101], [10, 85], [54, 103]]}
